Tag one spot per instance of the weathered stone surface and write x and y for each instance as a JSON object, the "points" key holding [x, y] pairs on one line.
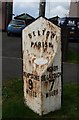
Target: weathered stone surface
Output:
{"points": [[41, 42]]}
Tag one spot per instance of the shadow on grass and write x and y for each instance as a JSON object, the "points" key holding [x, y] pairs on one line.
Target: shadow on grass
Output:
{"points": [[72, 56]]}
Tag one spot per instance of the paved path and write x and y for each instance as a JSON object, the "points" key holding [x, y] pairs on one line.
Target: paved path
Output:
{"points": [[70, 72], [11, 68]]}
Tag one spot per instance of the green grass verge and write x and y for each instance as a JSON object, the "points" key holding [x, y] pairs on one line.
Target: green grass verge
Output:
{"points": [[73, 56], [14, 107]]}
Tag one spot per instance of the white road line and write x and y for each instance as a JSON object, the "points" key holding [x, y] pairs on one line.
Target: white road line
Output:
{"points": [[4, 57], [70, 63]]}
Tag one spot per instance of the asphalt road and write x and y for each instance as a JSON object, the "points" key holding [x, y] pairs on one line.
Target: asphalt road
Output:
{"points": [[12, 60], [11, 57]]}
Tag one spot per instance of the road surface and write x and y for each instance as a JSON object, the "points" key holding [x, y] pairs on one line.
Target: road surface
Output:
{"points": [[12, 60]]}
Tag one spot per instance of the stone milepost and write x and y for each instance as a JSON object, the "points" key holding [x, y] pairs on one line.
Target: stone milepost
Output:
{"points": [[41, 45]]}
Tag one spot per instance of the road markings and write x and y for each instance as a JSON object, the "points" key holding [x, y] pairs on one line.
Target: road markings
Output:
{"points": [[4, 57]]}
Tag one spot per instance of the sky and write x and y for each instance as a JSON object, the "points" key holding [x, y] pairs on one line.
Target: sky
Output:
{"points": [[53, 7]]}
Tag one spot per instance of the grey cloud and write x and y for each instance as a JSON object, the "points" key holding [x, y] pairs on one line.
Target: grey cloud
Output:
{"points": [[32, 8]]}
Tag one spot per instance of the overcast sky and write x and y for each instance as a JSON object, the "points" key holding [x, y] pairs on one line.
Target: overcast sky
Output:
{"points": [[53, 7]]}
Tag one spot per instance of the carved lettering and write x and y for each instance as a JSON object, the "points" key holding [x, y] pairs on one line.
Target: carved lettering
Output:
{"points": [[52, 35], [32, 76], [31, 93], [30, 84], [34, 33], [52, 93], [51, 76], [52, 84], [38, 33], [41, 44], [44, 30], [41, 32], [30, 36], [47, 34], [52, 68]]}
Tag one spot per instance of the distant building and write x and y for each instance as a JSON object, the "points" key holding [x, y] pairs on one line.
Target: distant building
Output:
{"points": [[5, 13], [54, 20], [74, 8], [28, 18]]}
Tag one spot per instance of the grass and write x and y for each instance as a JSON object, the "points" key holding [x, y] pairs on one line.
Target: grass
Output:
{"points": [[14, 107], [73, 56]]}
